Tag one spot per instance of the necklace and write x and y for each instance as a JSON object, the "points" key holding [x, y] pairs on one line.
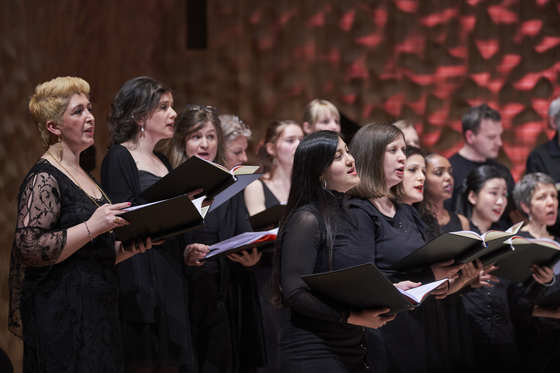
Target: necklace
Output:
{"points": [[78, 184]]}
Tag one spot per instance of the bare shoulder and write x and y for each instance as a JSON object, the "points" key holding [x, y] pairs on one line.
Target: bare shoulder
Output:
{"points": [[464, 222], [254, 197]]}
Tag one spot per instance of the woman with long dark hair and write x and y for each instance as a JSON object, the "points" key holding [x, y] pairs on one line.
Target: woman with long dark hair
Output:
{"points": [[320, 336]]}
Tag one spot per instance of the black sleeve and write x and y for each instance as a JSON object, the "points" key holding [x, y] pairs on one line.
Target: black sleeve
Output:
{"points": [[38, 240], [119, 176], [535, 163], [300, 246]]}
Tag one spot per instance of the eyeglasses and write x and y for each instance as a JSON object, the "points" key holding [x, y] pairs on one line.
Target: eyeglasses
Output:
{"points": [[195, 107]]}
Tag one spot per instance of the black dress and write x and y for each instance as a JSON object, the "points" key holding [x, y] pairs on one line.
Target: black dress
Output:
{"points": [[274, 317], [453, 225], [408, 343], [317, 339], [224, 308], [538, 337], [67, 312], [490, 317], [153, 298], [460, 346]]}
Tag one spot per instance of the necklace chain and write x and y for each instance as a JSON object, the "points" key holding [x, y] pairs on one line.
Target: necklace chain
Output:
{"points": [[78, 184]]}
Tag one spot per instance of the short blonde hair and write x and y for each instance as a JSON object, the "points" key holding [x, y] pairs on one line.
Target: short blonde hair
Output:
{"points": [[403, 124], [50, 100], [368, 148], [317, 107], [232, 127]]}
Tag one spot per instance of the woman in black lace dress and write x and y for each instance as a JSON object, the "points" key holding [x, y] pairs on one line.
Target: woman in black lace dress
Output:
{"points": [[63, 284]]}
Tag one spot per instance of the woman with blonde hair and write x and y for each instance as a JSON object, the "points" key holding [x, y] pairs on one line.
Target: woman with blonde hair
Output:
{"points": [[277, 157], [321, 115], [63, 283]]}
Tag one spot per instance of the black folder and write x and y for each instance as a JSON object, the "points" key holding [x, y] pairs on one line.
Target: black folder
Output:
{"points": [[193, 174], [159, 220], [463, 246], [359, 287], [268, 218], [526, 252]]}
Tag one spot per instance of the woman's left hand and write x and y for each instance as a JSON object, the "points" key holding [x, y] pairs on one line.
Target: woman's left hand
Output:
{"points": [[246, 259], [543, 275], [132, 248]]}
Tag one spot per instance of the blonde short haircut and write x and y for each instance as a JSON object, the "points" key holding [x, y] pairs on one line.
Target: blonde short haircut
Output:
{"points": [[316, 108], [50, 100], [403, 124]]}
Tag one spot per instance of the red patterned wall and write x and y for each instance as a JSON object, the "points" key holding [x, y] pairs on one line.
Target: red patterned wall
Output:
{"points": [[423, 60]]}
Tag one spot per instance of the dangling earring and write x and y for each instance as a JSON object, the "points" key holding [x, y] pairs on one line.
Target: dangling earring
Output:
{"points": [[60, 147], [323, 182]]}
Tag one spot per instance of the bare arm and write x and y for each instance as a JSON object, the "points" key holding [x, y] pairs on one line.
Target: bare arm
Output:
{"points": [[254, 197]]}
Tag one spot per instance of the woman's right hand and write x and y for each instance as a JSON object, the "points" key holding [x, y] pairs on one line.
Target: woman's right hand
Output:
{"points": [[371, 318], [193, 253], [446, 269], [106, 218]]}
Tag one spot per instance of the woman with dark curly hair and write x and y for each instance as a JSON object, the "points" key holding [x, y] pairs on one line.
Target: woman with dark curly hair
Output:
{"points": [[153, 303]]}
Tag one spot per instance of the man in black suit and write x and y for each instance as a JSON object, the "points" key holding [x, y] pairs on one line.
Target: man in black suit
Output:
{"points": [[482, 131]]}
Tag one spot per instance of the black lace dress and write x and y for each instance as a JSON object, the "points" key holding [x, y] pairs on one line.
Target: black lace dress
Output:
{"points": [[67, 312]]}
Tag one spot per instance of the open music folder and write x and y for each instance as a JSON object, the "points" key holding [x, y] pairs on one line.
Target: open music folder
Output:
{"points": [[462, 246], [243, 241], [170, 211], [526, 252], [366, 287]]}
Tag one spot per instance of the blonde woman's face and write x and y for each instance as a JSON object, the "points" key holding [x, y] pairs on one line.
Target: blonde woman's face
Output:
{"points": [[326, 121], [77, 125]]}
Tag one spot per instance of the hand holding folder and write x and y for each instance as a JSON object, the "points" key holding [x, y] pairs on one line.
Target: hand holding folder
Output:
{"points": [[170, 211], [364, 287], [243, 241], [462, 246], [527, 252]]}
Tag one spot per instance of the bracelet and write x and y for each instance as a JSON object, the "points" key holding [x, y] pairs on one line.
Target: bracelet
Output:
{"points": [[88, 232]]}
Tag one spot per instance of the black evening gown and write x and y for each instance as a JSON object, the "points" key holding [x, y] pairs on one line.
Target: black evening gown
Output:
{"points": [[410, 342], [153, 300], [224, 309], [489, 314], [317, 338], [67, 312], [460, 347], [274, 317], [538, 338]]}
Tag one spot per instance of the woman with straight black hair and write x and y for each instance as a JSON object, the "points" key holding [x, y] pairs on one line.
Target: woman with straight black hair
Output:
{"points": [[321, 337], [483, 201]]}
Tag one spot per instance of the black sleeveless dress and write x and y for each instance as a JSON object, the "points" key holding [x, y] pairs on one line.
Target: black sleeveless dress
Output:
{"points": [[274, 317], [67, 312]]}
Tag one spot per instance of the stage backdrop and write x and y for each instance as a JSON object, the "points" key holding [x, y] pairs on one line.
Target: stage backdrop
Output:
{"points": [[378, 61]]}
